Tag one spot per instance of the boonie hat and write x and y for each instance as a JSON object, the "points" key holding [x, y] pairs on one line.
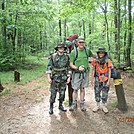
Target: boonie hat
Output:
{"points": [[59, 45], [101, 49]]}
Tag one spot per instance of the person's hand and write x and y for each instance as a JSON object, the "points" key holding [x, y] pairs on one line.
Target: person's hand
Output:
{"points": [[108, 84], [50, 80], [68, 80], [81, 68]]}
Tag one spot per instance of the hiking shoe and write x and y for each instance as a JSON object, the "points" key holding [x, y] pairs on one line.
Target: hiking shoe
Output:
{"points": [[104, 108], [62, 108], [97, 107], [82, 106], [73, 106]]}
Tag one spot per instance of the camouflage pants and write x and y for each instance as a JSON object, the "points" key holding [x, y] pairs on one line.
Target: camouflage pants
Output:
{"points": [[57, 87], [101, 91]]}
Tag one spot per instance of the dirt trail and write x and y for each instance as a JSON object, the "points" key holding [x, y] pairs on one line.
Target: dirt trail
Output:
{"points": [[25, 111]]}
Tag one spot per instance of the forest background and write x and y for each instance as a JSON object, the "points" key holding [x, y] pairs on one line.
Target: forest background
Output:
{"points": [[32, 28]]}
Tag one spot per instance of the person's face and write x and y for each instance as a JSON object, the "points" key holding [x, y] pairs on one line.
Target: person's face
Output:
{"points": [[101, 54], [81, 45], [61, 49]]}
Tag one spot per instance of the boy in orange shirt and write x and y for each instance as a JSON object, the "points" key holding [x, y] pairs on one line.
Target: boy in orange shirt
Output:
{"points": [[102, 74]]}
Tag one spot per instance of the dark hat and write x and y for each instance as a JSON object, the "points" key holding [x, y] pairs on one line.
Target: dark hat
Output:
{"points": [[101, 49], [81, 39], [60, 45]]}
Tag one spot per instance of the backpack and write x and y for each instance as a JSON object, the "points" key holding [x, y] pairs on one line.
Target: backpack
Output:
{"points": [[113, 70], [71, 41]]}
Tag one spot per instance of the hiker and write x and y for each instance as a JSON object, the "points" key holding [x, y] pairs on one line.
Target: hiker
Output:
{"points": [[58, 75], [101, 75], [71, 43], [80, 74]]}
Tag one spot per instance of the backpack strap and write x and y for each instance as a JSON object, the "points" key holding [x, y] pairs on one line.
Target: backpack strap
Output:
{"points": [[76, 53], [86, 50], [53, 56]]}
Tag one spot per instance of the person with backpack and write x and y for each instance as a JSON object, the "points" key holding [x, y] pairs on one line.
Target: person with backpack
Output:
{"points": [[101, 75], [58, 75], [80, 72]]}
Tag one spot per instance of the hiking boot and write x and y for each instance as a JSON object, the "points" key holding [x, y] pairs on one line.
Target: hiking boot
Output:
{"points": [[61, 107], [104, 108], [82, 106], [73, 106], [97, 107], [51, 108]]}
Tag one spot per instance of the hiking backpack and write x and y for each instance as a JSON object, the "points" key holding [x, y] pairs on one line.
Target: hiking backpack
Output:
{"points": [[113, 70]]}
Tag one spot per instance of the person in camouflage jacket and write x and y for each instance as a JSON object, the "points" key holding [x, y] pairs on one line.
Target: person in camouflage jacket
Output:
{"points": [[58, 75]]}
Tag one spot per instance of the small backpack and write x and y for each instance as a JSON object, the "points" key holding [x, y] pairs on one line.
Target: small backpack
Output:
{"points": [[113, 70]]}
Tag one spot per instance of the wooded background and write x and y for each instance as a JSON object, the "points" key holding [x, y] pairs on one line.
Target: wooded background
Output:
{"points": [[34, 27]]}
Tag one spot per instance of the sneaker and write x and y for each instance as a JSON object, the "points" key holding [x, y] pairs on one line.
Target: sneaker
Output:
{"points": [[104, 108], [73, 106], [97, 107], [82, 106]]}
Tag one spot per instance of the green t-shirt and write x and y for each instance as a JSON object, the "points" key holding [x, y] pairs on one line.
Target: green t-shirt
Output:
{"points": [[82, 57]]}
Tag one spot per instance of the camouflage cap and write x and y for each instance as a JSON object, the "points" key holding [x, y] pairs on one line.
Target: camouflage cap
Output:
{"points": [[81, 39]]}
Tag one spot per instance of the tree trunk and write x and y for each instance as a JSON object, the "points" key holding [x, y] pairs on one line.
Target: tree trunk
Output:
{"points": [[1, 87], [120, 93], [118, 33], [129, 34], [84, 30], [115, 32], [65, 34], [16, 76], [125, 33], [4, 32], [107, 33], [60, 34]]}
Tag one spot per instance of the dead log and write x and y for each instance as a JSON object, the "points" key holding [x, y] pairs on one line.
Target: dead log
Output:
{"points": [[120, 93], [16, 76]]}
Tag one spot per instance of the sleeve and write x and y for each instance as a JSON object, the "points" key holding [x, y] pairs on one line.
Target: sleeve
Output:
{"points": [[109, 63], [90, 53], [72, 56], [93, 62], [50, 65]]}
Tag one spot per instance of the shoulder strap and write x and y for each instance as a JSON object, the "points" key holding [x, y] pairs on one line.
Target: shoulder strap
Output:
{"points": [[75, 54], [54, 58], [87, 54]]}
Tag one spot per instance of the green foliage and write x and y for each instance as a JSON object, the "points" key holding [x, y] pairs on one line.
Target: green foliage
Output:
{"points": [[7, 61], [32, 69]]}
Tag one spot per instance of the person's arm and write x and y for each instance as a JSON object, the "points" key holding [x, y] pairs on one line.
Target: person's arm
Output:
{"points": [[109, 72], [49, 78], [49, 70], [109, 77]]}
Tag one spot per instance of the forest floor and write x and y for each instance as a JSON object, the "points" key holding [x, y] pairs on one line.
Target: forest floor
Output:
{"points": [[25, 111]]}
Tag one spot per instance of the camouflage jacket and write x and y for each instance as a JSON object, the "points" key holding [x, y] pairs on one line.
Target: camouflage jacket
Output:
{"points": [[58, 67]]}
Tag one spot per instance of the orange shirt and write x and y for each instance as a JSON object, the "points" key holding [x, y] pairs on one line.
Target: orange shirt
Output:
{"points": [[101, 70]]}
